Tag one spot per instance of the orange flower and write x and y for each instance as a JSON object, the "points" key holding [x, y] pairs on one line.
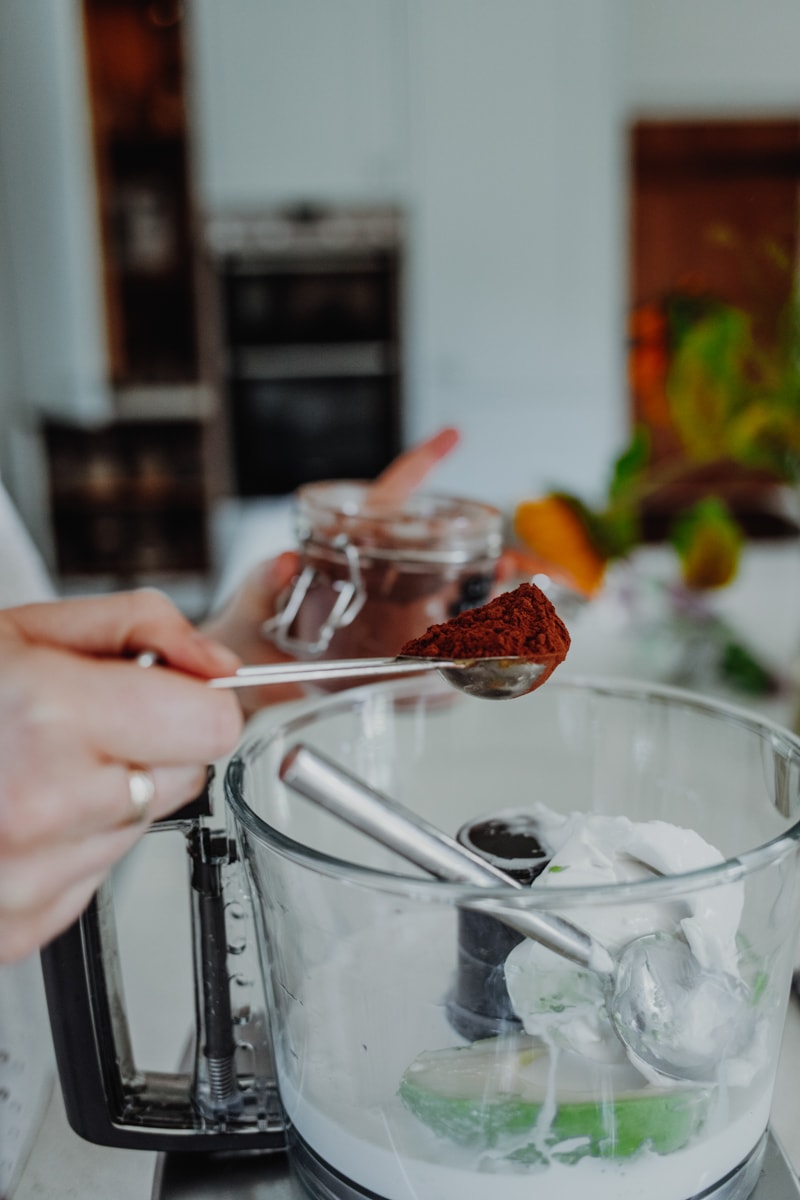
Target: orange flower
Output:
{"points": [[554, 532], [648, 364], [647, 322]]}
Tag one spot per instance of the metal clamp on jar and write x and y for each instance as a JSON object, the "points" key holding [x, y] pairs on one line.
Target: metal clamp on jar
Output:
{"points": [[373, 577]]}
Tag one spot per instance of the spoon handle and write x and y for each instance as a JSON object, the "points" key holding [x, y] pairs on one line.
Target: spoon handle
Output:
{"points": [[336, 790], [341, 668], [553, 931]]}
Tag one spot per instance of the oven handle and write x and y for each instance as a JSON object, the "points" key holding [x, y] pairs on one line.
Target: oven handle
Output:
{"points": [[109, 1101]]}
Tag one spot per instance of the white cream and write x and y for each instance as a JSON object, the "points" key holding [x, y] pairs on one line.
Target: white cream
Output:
{"points": [[382, 1151], [564, 1004], [339, 1076]]}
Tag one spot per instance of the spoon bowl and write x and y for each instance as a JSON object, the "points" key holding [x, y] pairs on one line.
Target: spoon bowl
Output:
{"points": [[494, 678], [696, 1018]]}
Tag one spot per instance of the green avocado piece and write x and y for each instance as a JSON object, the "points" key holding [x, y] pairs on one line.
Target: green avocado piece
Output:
{"points": [[494, 1090]]}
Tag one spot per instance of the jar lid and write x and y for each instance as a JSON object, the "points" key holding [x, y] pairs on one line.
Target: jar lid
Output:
{"points": [[427, 527]]}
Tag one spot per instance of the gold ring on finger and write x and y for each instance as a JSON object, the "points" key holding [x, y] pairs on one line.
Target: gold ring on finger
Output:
{"points": [[141, 789]]}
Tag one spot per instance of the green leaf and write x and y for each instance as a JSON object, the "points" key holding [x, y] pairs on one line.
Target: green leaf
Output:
{"points": [[708, 542], [683, 310], [613, 532], [630, 466], [740, 669], [768, 437], [708, 381], [620, 528]]}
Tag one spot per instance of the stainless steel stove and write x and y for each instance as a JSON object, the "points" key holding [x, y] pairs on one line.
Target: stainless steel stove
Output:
{"points": [[191, 1177]]}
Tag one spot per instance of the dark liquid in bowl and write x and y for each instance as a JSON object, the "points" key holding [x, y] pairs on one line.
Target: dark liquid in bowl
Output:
{"points": [[478, 1006]]}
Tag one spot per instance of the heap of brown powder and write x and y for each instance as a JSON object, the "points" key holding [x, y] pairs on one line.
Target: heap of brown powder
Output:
{"points": [[522, 623]]}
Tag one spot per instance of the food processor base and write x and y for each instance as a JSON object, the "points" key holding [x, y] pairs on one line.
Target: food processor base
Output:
{"points": [[764, 1175]]}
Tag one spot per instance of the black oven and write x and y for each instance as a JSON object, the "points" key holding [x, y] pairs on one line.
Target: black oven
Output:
{"points": [[311, 357]]}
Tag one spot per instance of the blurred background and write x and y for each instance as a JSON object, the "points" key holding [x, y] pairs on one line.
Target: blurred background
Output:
{"points": [[251, 243]]}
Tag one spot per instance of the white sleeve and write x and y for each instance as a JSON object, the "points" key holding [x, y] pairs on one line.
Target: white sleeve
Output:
{"points": [[23, 575]]}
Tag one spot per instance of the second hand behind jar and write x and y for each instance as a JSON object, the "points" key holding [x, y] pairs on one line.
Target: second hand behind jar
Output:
{"points": [[374, 576]]}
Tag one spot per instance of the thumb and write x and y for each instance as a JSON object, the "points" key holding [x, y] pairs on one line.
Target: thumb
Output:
{"points": [[238, 624], [265, 585], [241, 625], [280, 572]]}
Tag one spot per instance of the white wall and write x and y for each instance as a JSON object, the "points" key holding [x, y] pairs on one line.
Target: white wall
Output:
{"points": [[9, 355], [495, 123], [299, 100], [52, 342], [713, 57], [515, 312], [47, 201]]}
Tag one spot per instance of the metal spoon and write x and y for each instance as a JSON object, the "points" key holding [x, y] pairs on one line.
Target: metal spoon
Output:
{"points": [[489, 678], [652, 987]]}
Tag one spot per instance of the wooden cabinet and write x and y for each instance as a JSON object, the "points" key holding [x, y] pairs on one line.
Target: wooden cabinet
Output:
{"points": [[128, 499], [714, 215], [135, 68], [708, 196]]}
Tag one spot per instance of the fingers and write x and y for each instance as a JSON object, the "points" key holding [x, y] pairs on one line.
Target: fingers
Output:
{"points": [[21, 934], [406, 473], [32, 877], [253, 699], [46, 884], [74, 719], [54, 701], [156, 717], [46, 881], [258, 598], [71, 727], [240, 624], [60, 805], [122, 625], [34, 882]]}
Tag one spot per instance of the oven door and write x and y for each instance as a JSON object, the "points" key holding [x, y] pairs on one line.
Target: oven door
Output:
{"points": [[312, 365], [287, 432]]}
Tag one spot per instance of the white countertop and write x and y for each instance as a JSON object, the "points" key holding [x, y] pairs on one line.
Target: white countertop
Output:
{"points": [[151, 884]]}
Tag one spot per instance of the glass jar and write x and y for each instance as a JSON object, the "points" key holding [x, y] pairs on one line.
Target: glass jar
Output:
{"points": [[374, 577]]}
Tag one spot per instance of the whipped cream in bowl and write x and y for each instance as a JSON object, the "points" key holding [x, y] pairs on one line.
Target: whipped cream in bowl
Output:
{"points": [[700, 991]]}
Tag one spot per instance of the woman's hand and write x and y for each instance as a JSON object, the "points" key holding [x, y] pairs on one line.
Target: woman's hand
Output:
{"points": [[239, 625], [240, 622], [404, 475], [92, 746]]}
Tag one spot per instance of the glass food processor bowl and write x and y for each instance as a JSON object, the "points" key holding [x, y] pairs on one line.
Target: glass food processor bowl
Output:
{"points": [[420, 1045]]}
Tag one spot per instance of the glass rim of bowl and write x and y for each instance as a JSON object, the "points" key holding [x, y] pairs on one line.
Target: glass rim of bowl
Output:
{"points": [[658, 887]]}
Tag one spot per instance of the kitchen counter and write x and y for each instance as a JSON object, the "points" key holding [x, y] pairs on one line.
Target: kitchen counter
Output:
{"points": [[151, 883]]}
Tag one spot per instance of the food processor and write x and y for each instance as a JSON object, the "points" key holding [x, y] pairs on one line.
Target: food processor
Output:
{"points": [[395, 1041]]}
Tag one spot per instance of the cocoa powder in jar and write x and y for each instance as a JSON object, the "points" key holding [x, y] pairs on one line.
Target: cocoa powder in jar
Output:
{"points": [[415, 566]]}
